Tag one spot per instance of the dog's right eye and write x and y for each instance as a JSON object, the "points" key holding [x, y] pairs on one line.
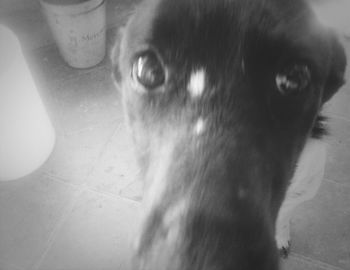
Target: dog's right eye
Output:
{"points": [[293, 79], [148, 71]]}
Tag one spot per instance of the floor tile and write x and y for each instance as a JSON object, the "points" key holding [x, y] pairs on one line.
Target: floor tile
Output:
{"points": [[338, 156], [75, 155], [50, 74], [88, 100], [338, 106], [6, 266], [96, 235], [30, 208], [133, 191], [116, 169], [297, 262], [320, 227], [57, 83], [49, 67]]}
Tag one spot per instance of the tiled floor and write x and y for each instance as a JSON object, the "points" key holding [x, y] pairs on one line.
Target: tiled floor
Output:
{"points": [[80, 208]]}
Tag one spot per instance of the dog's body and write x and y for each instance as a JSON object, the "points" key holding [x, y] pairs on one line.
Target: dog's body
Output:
{"points": [[223, 100]]}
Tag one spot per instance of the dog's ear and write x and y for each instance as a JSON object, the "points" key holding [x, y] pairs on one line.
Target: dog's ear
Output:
{"points": [[115, 53], [336, 72]]}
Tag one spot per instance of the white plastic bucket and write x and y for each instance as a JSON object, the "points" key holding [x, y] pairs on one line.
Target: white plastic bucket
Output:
{"points": [[79, 29], [26, 134]]}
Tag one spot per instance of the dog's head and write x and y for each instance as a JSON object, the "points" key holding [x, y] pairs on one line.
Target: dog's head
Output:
{"points": [[221, 96]]}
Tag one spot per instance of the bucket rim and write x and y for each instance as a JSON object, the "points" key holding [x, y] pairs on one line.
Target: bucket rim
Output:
{"points": [[65, 3], [72, 9]]}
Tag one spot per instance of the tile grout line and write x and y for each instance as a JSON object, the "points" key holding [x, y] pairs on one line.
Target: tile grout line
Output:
{"points": [[80, 190], [315, 262], [88, 174], [110, 137], [66, 213], [344, 185], [113, 196], [338, 117], [62, 180], [58, 226], [119, 125], [99, 155]]}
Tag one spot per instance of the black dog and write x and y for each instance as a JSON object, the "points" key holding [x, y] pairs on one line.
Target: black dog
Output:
{"points": [[223, 100]]}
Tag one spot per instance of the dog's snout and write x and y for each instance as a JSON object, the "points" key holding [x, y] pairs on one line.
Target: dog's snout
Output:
{"points": [[206, 200]]}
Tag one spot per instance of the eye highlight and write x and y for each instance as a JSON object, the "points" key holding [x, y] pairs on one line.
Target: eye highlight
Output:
{"points": [[293, 79], [148, 71]]}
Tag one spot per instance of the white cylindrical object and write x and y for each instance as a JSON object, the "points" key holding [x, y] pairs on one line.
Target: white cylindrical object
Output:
{"points": [[79, 29], [26, 134]]}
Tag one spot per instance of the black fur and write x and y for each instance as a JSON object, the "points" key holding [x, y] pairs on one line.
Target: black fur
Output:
{"points": [[234, 176], [320, 128]]}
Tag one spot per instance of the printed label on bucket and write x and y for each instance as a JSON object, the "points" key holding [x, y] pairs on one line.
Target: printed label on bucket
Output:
{"points": [[80, 37]]}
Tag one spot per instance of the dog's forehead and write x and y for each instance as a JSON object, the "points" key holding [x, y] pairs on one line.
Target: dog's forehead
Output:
{"points": [[219, 25]]}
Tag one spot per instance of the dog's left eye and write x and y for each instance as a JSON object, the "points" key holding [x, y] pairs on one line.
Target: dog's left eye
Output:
{"points": [[148, 70], [292, 79]]}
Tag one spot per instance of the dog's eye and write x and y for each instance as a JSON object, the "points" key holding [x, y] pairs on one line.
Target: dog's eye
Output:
{"points": [[148, 71], [292, 79]]}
